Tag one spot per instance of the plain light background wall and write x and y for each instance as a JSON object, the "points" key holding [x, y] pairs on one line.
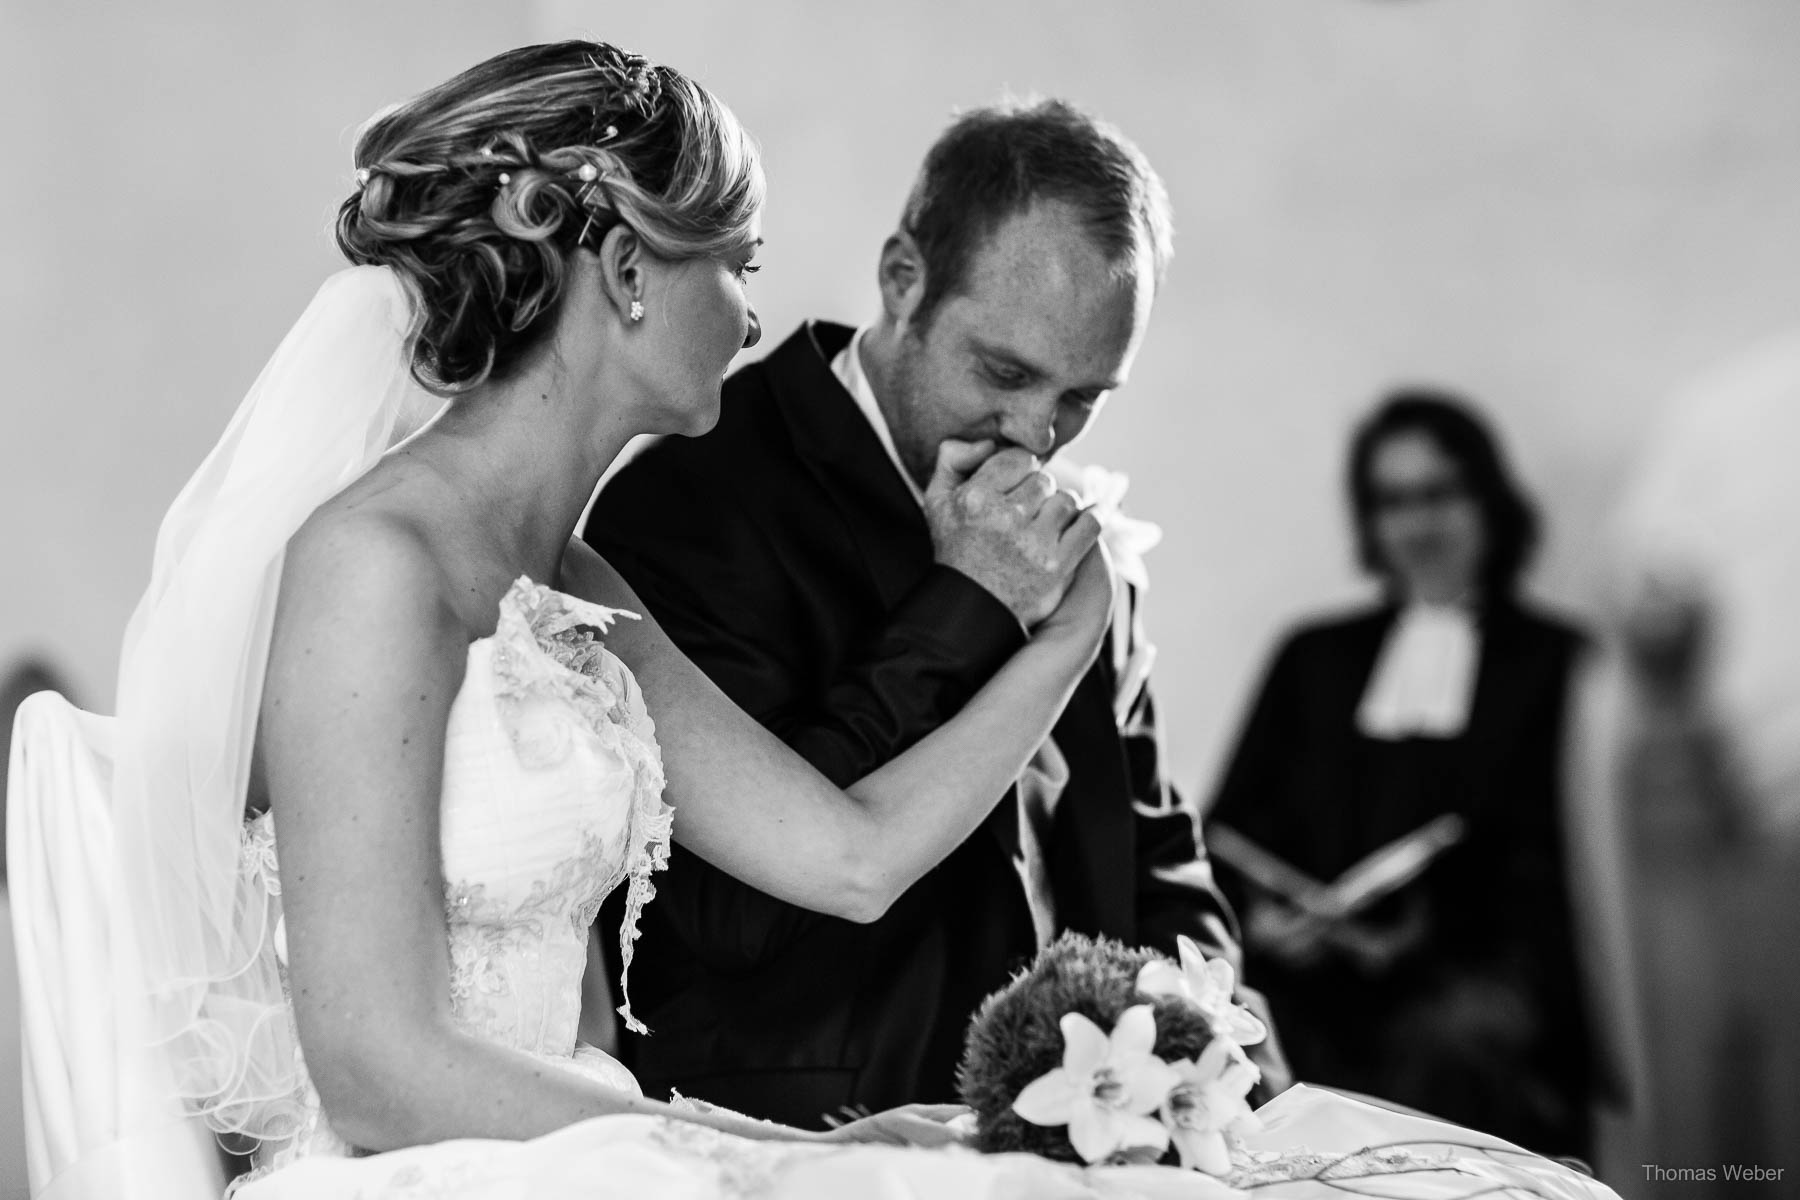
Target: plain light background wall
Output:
{"points": [[1564, 209], [175, 168]]}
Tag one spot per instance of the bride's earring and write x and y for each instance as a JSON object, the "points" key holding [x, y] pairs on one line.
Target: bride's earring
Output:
{"points": [[637, 310]]}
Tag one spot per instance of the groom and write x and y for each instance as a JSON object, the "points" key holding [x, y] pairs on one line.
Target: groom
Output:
{"points": [[849, 556]]}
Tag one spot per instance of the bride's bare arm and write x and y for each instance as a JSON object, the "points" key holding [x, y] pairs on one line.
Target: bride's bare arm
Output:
{"points": [[365, 662], [755, 809]]}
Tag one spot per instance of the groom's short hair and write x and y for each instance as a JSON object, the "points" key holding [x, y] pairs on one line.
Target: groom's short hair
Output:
{"points": [[994, 162]]}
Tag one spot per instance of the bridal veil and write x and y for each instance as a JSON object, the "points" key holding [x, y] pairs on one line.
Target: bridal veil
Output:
{"points": [[151, 990]]}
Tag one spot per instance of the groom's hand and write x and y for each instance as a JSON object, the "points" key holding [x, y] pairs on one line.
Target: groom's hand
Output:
{"points": [[1000, 519]]}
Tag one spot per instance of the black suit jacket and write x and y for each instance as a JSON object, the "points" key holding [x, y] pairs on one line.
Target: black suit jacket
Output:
{"points": [[783, 552]]}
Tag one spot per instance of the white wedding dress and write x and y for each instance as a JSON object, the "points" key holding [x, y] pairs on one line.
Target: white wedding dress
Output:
{"points": [[552, 796]]}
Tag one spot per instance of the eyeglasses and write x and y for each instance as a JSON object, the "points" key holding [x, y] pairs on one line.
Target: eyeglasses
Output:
{"points": [[1439, 494]]}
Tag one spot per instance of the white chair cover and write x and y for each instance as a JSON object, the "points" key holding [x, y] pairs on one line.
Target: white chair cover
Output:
{"points": [[93, 1126]]}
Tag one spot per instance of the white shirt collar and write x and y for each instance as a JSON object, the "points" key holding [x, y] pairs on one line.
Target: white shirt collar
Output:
{"points": [[1424, 680], [848, 368]]}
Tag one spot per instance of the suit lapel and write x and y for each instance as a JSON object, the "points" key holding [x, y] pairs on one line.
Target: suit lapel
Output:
{"points": [[835, 442]]}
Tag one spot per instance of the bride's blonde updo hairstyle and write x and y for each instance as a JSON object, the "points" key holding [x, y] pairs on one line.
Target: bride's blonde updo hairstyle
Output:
{"points": [[478, 192]]}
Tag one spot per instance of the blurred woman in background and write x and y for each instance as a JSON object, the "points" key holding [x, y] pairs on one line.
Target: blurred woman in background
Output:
{"points": [[1687, 783], [1425, 731]]}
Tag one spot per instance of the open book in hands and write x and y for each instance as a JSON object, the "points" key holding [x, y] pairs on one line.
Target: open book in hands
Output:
{"points": [[1302, 915]]}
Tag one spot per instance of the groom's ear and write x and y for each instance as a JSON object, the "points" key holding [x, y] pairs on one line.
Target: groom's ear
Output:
{"points": [[901, 276], [622, 258]]}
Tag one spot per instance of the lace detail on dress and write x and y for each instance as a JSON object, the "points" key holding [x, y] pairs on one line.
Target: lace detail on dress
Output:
{"points": [[547, 659], [484, 930], [546, 649], [651, 853]]}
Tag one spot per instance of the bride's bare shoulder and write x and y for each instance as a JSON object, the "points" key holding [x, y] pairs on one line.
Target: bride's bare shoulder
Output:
{"points": [[367, 652], [366, 570], [589, 576]]}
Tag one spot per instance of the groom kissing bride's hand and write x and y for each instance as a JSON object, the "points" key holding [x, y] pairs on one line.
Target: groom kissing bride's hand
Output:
{"points": [[864, 538], [999, 518]]}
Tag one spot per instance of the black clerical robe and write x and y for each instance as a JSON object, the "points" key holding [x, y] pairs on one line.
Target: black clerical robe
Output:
{"points": [[1479, 1018]]}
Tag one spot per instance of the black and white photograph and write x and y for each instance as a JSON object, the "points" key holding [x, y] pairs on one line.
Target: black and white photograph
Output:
{"points": [[820, 600]]}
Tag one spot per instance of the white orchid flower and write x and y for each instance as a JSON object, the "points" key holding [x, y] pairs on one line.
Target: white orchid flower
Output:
{"points": [[1209, 1103], [1208, 986], [1106, 1087]]}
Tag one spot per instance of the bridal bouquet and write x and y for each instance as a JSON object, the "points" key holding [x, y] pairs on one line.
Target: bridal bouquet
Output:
{"points": [[1104, 1054]]}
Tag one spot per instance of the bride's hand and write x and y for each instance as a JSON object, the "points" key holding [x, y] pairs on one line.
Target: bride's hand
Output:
{"points": [[1085, 613], [908, 1125]]}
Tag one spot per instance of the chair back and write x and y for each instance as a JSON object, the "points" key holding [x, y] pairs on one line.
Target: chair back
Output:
{"points": [[101, 1114]]}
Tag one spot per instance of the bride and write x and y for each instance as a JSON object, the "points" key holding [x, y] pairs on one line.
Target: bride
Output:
{"points": [[387, 734]]}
